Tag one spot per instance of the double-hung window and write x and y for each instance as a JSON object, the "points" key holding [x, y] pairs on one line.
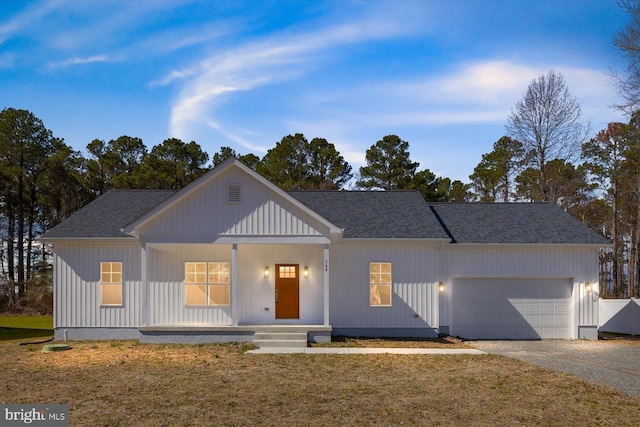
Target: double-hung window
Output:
{"points": [[380, 284], [207, 283], [110, 283]]}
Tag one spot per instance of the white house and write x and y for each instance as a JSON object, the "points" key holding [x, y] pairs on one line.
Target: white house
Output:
{"points": [[232, 254]]}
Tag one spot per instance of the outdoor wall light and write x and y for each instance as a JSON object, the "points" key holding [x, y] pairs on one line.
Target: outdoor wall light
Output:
{"points": [[441, 287], [587, 286], [306, 272], [266, 272]]}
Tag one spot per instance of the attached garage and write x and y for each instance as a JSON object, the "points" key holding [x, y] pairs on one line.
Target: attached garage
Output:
{"points": [[520, 308]]}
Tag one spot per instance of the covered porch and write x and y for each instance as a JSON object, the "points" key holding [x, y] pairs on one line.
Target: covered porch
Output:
{"points": [[254, 293]]}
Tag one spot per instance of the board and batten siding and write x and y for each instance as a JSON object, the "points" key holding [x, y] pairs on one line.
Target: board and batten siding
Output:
{"points": [[261, 212], [165, 266], [77, 285], [578, 263], [414, 285], [256, 294]]}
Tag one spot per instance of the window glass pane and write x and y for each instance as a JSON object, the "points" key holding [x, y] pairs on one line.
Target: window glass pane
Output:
{"points": [[224, 268], [385, 277], [213, 267], [195, 295], [219, 295], [287, 272], [195, 272], [385, 267], [111, 272], [380, 295], [374, 267], [111, 294], [224, 278]]}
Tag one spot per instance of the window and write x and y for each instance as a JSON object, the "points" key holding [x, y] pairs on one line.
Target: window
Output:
{"points": [[110, 283], [287, 271], [207, 283], [380, 284]]}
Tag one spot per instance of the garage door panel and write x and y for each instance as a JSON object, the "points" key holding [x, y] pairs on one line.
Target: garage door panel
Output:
{"points": [[511, 308]]}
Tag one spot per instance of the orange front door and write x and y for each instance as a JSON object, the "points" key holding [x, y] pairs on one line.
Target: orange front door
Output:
{"points": [[287, 291]]}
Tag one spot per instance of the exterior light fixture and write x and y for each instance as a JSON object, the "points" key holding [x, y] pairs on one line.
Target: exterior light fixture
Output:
{"points": [[441, 287], [306, 272], [266, 272], [587, 286]]}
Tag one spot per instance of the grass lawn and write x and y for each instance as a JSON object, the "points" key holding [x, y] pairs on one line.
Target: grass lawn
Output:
{"points": [[127, 383], [14, 327]]}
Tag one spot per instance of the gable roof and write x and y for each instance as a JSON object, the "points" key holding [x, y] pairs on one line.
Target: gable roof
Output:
{"points": [[106, 215], [131, 227], [513, 223], [375, 214]]}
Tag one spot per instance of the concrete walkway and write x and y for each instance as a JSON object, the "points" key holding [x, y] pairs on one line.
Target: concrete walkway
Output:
{"points": [[360, 350]]}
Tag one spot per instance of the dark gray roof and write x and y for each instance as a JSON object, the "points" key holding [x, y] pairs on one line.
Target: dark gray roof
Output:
{"points": [[105, 216], [366, 214], [375, 214], [513, 223]]}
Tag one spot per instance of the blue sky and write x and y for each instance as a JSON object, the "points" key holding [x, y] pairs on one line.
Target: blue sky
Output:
{"points": [[443, 75]]}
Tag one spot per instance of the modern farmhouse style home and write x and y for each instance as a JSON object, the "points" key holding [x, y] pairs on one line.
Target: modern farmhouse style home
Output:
{"points": [[231, 256]]}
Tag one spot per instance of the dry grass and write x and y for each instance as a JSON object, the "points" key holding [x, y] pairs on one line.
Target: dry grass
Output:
{"points": [[633, 340], [126, 383], [442, 342]]}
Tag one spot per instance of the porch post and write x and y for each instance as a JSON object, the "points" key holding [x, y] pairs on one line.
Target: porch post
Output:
{"points": [[326, 284], [144, 286], [234, 284]]}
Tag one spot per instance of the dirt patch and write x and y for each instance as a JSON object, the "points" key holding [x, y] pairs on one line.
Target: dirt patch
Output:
{"points": [[126, 383], [442, 342], [633, 340]]}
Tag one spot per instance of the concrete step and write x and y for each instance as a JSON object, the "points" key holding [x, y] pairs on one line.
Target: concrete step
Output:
{"points": [[280, 343], [280, 339], [263, 336]]}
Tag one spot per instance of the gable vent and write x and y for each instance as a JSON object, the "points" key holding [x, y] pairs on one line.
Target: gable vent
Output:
{"points": [[234, 193]]}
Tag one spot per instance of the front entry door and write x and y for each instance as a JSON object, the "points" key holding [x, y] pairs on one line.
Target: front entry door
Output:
{"points": [[287, 291]]}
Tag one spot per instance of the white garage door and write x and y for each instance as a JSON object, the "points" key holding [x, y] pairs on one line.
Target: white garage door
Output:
{"points": [[511, 308]]}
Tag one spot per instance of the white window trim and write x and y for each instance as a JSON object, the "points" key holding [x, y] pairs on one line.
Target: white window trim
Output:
{"points": [[120, 283], [207, 285], [385, 284]]}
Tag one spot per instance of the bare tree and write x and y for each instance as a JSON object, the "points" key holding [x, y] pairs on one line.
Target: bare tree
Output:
{"points": [[627, 41], [548, 123]]}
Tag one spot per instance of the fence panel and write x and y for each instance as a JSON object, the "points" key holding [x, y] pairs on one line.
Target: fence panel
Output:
{"points": [[620, 316]]}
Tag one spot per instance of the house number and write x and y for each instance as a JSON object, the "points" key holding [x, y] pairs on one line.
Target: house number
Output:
{"points": [[326, 265]]}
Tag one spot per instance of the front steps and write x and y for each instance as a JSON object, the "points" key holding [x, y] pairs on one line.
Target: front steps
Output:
{"points": [[280, 339]]}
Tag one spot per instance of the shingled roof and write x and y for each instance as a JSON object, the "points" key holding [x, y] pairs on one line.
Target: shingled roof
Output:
{"points": [[366, 215], [106, 215], [513, 223], [375, 214]]}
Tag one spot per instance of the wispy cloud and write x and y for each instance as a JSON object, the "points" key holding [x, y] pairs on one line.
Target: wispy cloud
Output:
{"points": [[283, 57], [84, 61], [26, 19]]}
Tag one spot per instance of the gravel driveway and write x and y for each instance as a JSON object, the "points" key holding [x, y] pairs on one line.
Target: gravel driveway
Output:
{"points": [[615, 365]]}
